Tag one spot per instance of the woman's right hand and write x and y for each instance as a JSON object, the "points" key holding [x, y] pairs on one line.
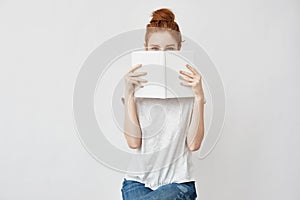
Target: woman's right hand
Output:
{"points": [[132, 80]]}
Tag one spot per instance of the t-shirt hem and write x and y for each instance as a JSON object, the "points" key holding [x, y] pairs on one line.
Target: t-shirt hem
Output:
{"points": [[154, 187]]}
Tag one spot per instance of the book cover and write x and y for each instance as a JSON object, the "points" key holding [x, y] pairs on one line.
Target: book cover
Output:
{"points": [[162, 69], [153, 62]]}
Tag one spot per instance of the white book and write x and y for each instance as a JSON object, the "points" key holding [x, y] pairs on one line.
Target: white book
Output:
{"points": [[162, 69]]}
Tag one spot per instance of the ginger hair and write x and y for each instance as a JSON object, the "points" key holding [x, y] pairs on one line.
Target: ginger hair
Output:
{"points": [[163, 20]]}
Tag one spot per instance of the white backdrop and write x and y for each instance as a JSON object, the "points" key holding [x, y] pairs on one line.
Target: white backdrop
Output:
{"points": [[254, 45]]}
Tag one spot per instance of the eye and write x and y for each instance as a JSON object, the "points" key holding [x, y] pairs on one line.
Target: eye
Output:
{"points": [[170, 49], [154, 48]]}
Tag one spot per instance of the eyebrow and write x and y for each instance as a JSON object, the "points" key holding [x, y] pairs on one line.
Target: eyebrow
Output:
{"points": [[158, 45]]}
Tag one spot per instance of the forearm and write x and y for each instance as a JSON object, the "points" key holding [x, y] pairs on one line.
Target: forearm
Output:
{"points": [[196, 129], [132, 128]]}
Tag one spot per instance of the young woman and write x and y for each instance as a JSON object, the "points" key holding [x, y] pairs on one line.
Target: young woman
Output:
{"points": [[183, 127]]}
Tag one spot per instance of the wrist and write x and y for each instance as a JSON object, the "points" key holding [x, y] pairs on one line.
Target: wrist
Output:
{"points": [[128, 94], [199, 98], [129, 97]]}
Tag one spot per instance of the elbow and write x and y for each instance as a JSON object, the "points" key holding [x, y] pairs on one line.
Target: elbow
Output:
{"points": [[133, 142], [194, 148], [134, 145], [196, 143]]}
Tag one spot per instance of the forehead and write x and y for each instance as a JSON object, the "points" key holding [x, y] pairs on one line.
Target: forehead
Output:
{"points": [[161, 38]]}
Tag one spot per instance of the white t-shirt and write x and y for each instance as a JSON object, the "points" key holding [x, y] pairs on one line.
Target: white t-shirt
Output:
{"points": [[165, 157]]}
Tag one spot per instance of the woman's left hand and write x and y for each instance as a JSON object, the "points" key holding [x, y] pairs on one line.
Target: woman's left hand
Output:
{"points": [[192, 80]]}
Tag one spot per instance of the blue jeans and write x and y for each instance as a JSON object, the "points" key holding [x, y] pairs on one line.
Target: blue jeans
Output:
{"points": [[134, 190]]}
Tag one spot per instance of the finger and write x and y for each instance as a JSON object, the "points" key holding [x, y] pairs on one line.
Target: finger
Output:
{"points": [[133, 82], [134, 68], [185, 78], [138, 74], [191, 68], [139, 79], [186, 73], [186, 84]]}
